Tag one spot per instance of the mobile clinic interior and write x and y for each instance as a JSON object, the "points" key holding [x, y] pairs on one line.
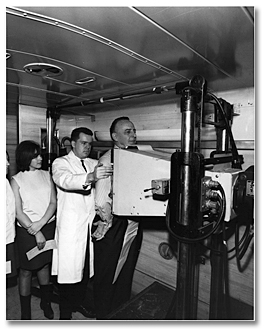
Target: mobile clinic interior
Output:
{"points": [[185, 77]]}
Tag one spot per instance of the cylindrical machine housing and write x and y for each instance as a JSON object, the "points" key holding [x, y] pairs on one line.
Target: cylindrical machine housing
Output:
{"points": [[188, 110]]}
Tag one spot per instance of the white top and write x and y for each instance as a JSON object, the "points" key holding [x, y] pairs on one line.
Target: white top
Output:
{"points": [[10, 214], [35, 191], [103, 188]]}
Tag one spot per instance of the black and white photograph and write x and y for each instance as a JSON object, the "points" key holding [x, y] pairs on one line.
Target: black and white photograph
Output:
{"points": [[130, 164]]}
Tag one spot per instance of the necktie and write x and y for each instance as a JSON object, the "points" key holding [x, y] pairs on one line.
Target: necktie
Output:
{"points": [[83, 166]]}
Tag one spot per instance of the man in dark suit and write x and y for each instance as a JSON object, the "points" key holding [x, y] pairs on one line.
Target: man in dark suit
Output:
{"points": [[117, 240]]}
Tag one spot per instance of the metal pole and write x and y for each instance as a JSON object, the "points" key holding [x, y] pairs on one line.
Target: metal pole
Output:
{"points": [[186, 281], [216, 307], [49, 150]]}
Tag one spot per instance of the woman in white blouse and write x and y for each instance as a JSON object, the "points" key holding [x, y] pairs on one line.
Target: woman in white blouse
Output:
{"points": [[35, 200]]}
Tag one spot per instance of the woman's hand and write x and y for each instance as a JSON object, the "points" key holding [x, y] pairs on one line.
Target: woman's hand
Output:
{"points": [[41, 240], [35, 227]]}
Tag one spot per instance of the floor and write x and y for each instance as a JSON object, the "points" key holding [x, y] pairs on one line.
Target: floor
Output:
{"points": [[149, 305], [13, 310]]}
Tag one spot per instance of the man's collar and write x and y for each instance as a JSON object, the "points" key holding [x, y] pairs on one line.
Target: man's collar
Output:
{"points": [[73, 155]]}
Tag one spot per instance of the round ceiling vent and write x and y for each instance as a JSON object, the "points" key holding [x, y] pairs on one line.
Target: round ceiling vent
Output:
{"points": [[42, 69]]}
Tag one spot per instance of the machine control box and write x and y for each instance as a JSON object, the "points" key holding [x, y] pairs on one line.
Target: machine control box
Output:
{"points": [[227, 178], [160, 186]]}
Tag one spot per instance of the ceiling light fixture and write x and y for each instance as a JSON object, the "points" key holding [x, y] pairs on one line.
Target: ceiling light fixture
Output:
{"points": [[85, 80], [42, 69]]}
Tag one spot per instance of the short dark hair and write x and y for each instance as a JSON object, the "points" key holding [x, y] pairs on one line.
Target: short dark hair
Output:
{"points": [[114, 123], [26, 151], [75, 134]]}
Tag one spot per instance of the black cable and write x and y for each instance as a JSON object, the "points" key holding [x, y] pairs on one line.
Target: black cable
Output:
{"points": [[239, 244], [244, 236], [241, 252], [222, 200], [234, 148], [244, 249]]}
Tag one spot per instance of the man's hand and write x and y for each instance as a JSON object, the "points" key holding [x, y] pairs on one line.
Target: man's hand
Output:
{"points": [[102, 228], [101, 172]]}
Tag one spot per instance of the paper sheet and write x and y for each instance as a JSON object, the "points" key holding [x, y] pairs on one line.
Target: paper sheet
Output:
{"points": [[145, 147], [8, 267], [50, 244]]}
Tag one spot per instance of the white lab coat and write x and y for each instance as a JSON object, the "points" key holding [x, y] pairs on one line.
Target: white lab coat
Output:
{"points": [[75, 214]]}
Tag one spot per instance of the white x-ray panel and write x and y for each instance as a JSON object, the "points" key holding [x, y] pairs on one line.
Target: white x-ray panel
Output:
{"points": [[133, 172]]}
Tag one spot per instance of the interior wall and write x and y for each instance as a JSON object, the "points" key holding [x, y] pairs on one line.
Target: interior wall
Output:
{"points": [[31, 121], [167, 116], [11, 134], [160, 116], [11, 141]]}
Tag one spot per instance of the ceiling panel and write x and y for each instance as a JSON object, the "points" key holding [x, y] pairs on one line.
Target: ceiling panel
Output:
{"points": [[126, 50]]}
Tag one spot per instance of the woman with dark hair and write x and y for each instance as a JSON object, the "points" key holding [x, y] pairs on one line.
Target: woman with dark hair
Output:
{"points": [[35, 200]]}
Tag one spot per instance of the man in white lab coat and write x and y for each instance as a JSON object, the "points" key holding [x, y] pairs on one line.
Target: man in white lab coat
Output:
{"points": [[74, 175]]}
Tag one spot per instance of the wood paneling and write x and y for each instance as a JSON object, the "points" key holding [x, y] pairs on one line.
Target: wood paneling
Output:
{"points": [[145, 117], [31, 121], [11, 130], [167, 115], [11, 141]]}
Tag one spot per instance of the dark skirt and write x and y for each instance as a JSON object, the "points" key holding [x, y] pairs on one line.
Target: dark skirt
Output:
{"points": [[12, 257], [25, 242]]}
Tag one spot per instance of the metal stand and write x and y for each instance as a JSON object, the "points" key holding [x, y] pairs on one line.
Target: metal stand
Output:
{"points": [[218, 302], [184, 205]]}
